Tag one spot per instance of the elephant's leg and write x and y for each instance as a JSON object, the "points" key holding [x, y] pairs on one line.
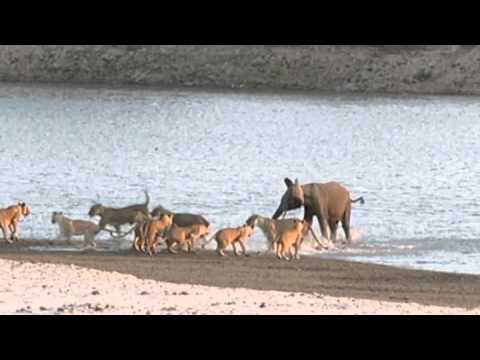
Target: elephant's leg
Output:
{"points": [[308, 217], [333, 229], [323, 226], [346, 225]]}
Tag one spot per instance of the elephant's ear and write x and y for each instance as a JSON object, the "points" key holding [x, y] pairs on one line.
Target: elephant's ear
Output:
{"points": [[288, 182]]}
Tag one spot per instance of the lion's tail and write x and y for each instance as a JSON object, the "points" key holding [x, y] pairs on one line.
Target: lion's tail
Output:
{"points": [[209, 240], [147, 198]]}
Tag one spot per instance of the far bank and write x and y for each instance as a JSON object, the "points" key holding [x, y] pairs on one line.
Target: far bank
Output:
{"points": [[387, 69]]}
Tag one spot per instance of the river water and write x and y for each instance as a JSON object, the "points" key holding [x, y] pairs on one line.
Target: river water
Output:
{"points": [[224, 155]]}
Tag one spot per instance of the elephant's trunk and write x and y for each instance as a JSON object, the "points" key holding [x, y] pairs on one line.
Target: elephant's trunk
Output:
{"points": [[278, 213]]}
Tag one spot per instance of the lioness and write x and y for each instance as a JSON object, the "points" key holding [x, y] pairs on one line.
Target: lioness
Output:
{"points": [[290, 237], [118, 216], [231, 236], [141, 221], [181, 235], [10, 219], [272, 228], [69, 228], [181, 219], [153, 229]]}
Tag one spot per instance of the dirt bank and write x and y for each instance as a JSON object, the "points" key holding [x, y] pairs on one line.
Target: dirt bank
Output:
{"points": [[309, 275], [434, 69]]}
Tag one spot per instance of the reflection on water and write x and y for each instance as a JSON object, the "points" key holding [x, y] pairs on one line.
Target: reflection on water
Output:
{"points": [[224, 155]]}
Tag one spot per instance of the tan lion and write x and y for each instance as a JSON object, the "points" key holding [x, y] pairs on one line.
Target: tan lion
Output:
{"points": [[69, 228], [10, 219], [185, 235], [232, 236], [272, 228], [152, 230], [289, 238]]}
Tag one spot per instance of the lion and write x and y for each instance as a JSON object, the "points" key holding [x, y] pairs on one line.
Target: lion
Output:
{"points": [[181, 235], [152, 230], [272, 228], [290, 237], [232, 236], [10, 219], [141, 221], [69, 228], [118, 216]]}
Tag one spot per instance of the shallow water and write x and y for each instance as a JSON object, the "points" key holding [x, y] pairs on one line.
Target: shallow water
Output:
{"points": [[224, 155]]}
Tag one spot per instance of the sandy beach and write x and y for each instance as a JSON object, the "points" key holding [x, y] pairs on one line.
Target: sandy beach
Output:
{"points": [[123, 282]]}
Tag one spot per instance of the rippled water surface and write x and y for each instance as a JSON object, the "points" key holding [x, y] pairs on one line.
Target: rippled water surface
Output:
{"points": [[225, 154]]}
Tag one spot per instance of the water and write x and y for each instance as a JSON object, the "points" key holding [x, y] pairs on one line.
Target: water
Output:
{"points": [[225, 154]]}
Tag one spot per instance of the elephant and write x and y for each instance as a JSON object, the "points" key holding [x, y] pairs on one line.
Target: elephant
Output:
{"points": [[329, 202]]}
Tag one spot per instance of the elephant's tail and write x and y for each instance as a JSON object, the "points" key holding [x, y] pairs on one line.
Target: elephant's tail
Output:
{"points": [[360, 199]]}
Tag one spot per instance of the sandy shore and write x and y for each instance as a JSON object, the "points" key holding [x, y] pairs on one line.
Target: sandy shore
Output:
{"points": [[58, 282], [61, 289]]}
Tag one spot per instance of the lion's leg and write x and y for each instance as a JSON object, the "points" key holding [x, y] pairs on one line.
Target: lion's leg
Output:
{"points": [[286, 249], [170, 247], [143, 243], [289, 252], [88, 240], [136, 240], [244, 249], [172, 250], [135, 244], [190, 245], [297, 245], [91, 240], [5, 233], [234, 248], [220, 248], [279, 249], [150, 250], [68, 237], [154, 243], [14, 229]]}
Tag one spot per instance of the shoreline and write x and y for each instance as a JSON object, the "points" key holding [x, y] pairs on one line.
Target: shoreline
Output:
{"points": [[261, 91], [71, 290], [310, 275]]}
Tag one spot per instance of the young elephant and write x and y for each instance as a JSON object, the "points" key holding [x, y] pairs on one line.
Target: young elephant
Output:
{"points": [[181, 235], [291, 237], [329, 202], [232, 236]]}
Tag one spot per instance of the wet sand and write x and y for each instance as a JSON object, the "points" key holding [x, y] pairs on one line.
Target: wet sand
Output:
{"points": [[310, 275]]}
